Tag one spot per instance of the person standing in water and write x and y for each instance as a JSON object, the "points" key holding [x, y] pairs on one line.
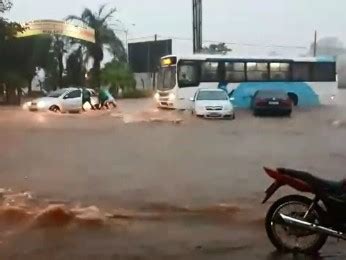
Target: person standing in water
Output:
{"points": [[106, 99], [86, 98]]}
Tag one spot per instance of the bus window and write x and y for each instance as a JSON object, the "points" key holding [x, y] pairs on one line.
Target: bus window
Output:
{"points": [[188, 74], [235, 71], [301, 71], [323, 71], [257, 71], [280, 71], [209, 72]]}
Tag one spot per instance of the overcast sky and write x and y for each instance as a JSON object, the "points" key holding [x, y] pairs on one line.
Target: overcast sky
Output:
{"points": [[276, 22]]}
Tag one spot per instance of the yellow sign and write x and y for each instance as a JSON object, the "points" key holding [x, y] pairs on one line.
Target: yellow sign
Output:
{"points": [[38, 27]]}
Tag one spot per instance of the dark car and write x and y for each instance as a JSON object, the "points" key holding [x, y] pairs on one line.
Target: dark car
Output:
{"points": [[272, 101]]}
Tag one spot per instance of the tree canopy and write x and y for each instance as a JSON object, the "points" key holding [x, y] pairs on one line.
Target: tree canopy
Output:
{"points": [[75, 69], [328, 46], [104, 37], [220, 48], [118, 75]]}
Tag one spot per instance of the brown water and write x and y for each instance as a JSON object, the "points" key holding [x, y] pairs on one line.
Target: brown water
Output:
{"points": [[146, 184], [32, 228]]}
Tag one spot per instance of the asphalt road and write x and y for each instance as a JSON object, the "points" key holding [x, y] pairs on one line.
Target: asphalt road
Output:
{"points": [[192, 187]]}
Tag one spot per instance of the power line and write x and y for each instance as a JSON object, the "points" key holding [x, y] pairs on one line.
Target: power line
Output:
{"points": [[178, 38], [239, 43], [140, 38]]}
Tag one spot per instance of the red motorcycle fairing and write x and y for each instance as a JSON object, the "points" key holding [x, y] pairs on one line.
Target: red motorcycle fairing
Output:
{"points": [[282, 180]]}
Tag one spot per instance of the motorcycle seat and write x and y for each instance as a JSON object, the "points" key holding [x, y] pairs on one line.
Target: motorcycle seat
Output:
{"points": [[318, 184]]}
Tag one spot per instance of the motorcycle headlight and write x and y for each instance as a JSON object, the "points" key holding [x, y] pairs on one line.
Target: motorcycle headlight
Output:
{"points": [[171, 97]]}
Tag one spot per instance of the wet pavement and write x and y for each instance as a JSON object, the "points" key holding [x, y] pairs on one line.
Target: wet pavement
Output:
{"points": [[141, 183]]}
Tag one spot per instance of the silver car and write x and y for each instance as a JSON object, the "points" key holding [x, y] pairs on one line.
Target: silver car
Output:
{"points": [[62, 100]]}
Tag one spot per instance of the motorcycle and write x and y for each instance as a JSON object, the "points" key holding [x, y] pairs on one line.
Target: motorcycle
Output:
{"points": [[297, 223]]}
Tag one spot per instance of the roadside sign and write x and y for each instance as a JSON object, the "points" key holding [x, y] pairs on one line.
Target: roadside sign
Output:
{"points": [[64, 28]]}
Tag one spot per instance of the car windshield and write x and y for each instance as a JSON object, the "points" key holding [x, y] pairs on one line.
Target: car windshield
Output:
{"points": [[212, 95], [271, 94], [57, 93]]}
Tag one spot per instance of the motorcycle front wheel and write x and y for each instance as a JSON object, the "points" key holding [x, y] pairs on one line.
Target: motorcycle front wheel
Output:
{"points": [[294, 239]]}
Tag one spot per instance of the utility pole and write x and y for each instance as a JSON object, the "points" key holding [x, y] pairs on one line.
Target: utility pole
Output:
{"points": [[197, 25], [154, 73], [315, 44], [127, 44]]}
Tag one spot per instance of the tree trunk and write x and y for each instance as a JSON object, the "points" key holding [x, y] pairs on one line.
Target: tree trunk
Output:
{"points": [[29, 87], [61, 71], [7, 97], [19, 95], [2, 90], [97, 73], [11, 97]]}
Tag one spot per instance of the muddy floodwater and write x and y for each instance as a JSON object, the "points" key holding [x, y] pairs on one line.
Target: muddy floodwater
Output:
{"points": [[140, 183]]}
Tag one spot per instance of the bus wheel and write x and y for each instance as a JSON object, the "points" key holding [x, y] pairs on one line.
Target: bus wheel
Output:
{"points": [[294, 98]]}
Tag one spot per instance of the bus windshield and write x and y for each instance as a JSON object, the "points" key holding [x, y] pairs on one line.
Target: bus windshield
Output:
{"points": [[166, 79]]}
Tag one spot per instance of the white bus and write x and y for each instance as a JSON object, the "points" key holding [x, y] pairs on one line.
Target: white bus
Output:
{"points": [[308, 81]]}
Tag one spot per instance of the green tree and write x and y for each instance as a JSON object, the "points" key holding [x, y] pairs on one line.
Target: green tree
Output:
{"points": [[119, 76], [75, 70], [7, 29], [23, 56], [12, 63], [104, 37], [328, 46], [51, 72], [59, 51], [5, 5], [220, 48]]}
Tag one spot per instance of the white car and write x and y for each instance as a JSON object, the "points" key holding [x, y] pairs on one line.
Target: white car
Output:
{"points": [[212, 103], [62, 100]]}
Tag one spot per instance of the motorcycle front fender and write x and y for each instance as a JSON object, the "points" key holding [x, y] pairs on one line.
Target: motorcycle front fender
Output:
{"points": [[271, 191]]}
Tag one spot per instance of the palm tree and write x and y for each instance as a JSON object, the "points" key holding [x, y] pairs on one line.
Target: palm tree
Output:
{"points": [[59, 50], [104, 36]]}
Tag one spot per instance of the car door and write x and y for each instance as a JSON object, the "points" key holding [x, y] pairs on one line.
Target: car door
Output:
{"points": [[72, 101], [94, 97]]}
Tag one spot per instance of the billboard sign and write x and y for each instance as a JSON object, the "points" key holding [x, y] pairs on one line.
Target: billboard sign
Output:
{"points": [[39, 27], [144, 57]]}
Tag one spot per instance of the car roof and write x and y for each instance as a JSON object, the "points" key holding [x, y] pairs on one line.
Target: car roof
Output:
{"points": [[75, 88]]}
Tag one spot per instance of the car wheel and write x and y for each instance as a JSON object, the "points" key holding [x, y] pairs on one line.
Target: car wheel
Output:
{"points": [[54, 109]]}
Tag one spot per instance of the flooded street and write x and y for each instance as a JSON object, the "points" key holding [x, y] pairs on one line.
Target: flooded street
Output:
{"points": [[139, 183]]}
